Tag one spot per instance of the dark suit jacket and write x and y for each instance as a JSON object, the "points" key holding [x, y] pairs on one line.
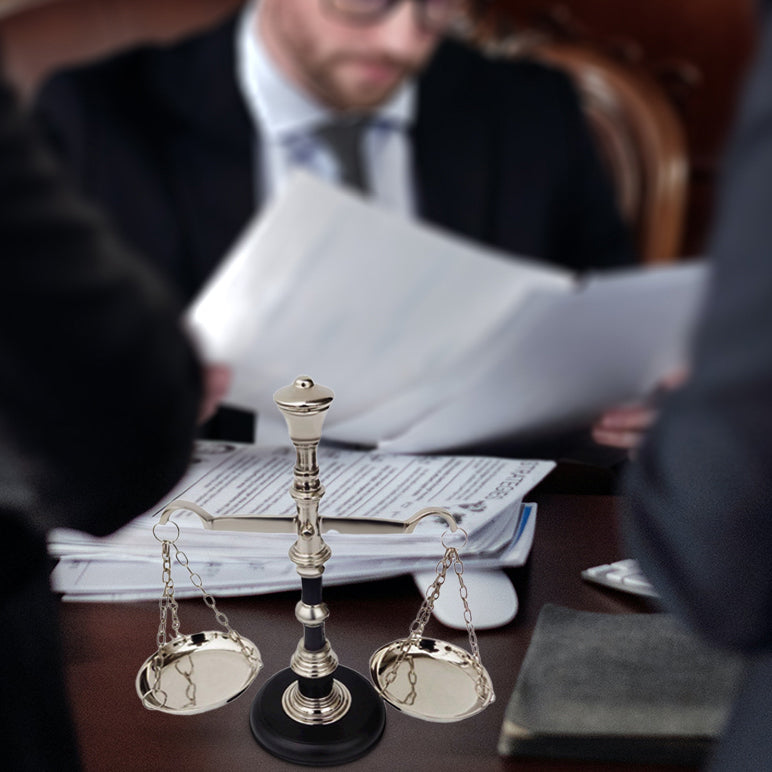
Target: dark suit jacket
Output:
{"points": [[98, 398], [701, 493], [162, 138], [502, 154]]}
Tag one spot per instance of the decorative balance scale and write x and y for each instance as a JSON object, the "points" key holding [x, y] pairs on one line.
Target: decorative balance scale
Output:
{"points": [[317, 711]]}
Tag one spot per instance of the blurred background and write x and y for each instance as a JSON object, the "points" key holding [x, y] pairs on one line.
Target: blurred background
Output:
{"points": [[690, 55]]}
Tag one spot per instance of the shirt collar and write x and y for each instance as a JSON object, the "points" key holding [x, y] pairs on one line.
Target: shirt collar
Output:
{"points": [[279, 106]]}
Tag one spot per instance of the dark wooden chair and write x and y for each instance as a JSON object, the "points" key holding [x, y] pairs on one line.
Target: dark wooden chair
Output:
{"points": [[639, 133], [641, 137]]}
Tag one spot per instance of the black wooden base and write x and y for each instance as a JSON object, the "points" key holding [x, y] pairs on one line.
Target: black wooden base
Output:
{"points": [[349, 738]]}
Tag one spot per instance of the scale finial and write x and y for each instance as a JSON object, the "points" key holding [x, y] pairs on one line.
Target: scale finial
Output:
{"points": [[304, 406]]}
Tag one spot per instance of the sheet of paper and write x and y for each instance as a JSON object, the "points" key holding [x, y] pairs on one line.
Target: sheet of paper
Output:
{"points": [[379, 309], [572, 356], [430, 342]]}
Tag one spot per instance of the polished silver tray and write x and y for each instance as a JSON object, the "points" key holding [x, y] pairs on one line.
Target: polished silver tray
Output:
{"points": [[199, 672], [431, 679]]}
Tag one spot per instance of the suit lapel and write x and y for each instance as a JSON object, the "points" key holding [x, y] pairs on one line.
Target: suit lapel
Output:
{"points": [[213, 155], [451, 150]]}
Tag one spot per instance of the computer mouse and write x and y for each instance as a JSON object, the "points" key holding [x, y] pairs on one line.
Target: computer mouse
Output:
{"points": [[491, 597]]}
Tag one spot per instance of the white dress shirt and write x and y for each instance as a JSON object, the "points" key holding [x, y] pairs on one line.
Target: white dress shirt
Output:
{"points": [[287, 116]]}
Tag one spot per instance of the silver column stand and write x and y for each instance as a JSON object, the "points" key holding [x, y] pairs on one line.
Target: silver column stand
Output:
{"points": [[315, 712]]}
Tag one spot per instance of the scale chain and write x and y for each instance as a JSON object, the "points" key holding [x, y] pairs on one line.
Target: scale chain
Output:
{"points": [[169, 607], [198, 583], [481, 686], [451, 558], [171, 644], [168, 603]]}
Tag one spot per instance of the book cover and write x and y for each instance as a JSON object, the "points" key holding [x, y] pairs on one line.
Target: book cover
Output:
{"points": [[618, 687]]}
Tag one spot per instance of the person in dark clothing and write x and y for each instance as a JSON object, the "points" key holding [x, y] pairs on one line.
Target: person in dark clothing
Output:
{"points": [[700, 495], [99, 395]]}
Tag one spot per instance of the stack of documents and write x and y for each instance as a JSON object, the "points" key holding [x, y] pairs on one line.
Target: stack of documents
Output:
{"points": [[431, 342], [485, 496]]}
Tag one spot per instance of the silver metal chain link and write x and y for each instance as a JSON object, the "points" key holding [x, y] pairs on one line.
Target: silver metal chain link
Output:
{"points": [[451, 557], [169, 611]]}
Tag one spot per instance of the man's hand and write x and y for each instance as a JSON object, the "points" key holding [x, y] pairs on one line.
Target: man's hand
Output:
{"points": [[625, 426], [217, 381]]}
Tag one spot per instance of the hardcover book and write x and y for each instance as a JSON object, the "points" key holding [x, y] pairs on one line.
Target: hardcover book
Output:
{"points": [[618, 687]]}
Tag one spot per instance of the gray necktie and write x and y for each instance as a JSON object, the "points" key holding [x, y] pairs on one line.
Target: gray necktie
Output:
{"points": [[344, 139]]}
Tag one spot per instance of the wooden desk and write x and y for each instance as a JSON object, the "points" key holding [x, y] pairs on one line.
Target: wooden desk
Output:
{"points": [[106, 644]]}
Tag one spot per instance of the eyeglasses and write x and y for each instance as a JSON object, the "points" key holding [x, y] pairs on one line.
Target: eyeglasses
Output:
{"points": [[433, 15]]}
